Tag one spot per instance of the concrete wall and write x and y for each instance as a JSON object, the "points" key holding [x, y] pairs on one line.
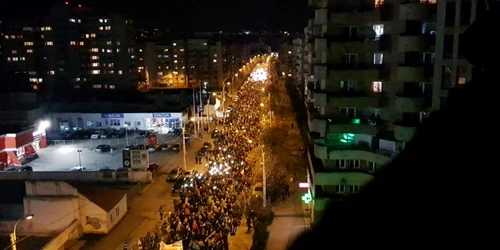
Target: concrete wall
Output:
{"points": [[74, 231], [142, 177], [93, 219], [52, 214], [117, 213]]}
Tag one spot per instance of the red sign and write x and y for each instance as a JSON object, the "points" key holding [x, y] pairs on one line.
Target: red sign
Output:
{"points": [[152, 140]]}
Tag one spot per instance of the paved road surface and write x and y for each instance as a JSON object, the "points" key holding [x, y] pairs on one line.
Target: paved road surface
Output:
{"points": [[143, 211]]}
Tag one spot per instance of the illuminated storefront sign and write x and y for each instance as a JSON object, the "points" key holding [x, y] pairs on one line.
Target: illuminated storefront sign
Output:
{"points": [[162, 115], [112, 115]]}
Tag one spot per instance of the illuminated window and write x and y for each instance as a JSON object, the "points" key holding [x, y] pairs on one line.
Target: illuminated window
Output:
{"points": [[51, 72], [14, 52], [378, 3], [95, 64], [95, 72], [120, 72], [94, 57], [92, 35], [101, 28], [109, 43], [22, 58], [15, 59], [48, 28], [175, 56], [73, 43], [378, 58], [175, 61], [82, 43], [111, 65], [112, 86], [97, 86], [49, 43], [215, 60], [29, 51], [28, 43], [94, 50], [377, 87], [107, 28]]}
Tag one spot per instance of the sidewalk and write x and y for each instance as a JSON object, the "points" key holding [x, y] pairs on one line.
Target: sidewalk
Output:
{"points": [[290, 219], [242, 240]]}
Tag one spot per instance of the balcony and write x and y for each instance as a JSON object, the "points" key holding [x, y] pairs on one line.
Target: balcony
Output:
{"points": [[414, 73], [410, 102], [359, 151], [343, 124], [419, 42], [404, 131], [360, 71], [417, 10]]}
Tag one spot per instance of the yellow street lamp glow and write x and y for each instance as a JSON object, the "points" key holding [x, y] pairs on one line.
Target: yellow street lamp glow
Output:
{"points": [[29, 217], [193, 119], [250, 141], [262, 104], [228, 83], [263, 89]]}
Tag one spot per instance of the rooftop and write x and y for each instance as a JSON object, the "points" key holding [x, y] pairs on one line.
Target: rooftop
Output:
{"points": [[105, 198]]}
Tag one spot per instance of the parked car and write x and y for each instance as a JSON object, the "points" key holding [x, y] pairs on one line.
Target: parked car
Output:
{"points": [[165, 146], [21, 169], [103, 148], [176, 147], [78, 168], [153, 167], [190, 173], [179, 183], [174, 173], [151, 148], [106, 169], [129, 147]]}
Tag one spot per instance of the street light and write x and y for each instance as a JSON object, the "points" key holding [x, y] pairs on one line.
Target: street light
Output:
{"points": [[126, 133], [224, 101], [79, 157], [13, 236]]}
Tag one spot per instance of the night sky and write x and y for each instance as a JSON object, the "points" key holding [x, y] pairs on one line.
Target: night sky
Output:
{"points": [[204, 15]]}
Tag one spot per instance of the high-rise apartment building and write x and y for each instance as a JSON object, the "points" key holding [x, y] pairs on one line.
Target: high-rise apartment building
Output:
{"points": [[377, 70], [86, 52], [74, 50], [184, 63], [370, 85], [21, 55], [187, 63]]}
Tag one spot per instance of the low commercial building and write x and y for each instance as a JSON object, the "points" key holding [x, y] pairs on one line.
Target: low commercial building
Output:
{"points": [[161, 123], [18, 145], [57, 205]]}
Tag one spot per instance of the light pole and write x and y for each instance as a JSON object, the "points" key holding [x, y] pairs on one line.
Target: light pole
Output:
{"points": [[79, 157], [13, 236], [224, 101], [126, 133], [264, 177], [183, 144]]}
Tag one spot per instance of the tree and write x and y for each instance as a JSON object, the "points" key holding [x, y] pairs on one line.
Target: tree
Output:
{"points": [[275, 170]]}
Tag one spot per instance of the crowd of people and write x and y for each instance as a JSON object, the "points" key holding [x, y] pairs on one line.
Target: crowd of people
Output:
{"points": [[212, 205]]}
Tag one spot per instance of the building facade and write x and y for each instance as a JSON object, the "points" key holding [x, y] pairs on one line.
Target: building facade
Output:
{"points": [[73, 50], [161, 123], [377, 69], [370, 85]]}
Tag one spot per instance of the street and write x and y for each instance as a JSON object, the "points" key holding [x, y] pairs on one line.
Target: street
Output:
{"points": [[143, 211]]}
